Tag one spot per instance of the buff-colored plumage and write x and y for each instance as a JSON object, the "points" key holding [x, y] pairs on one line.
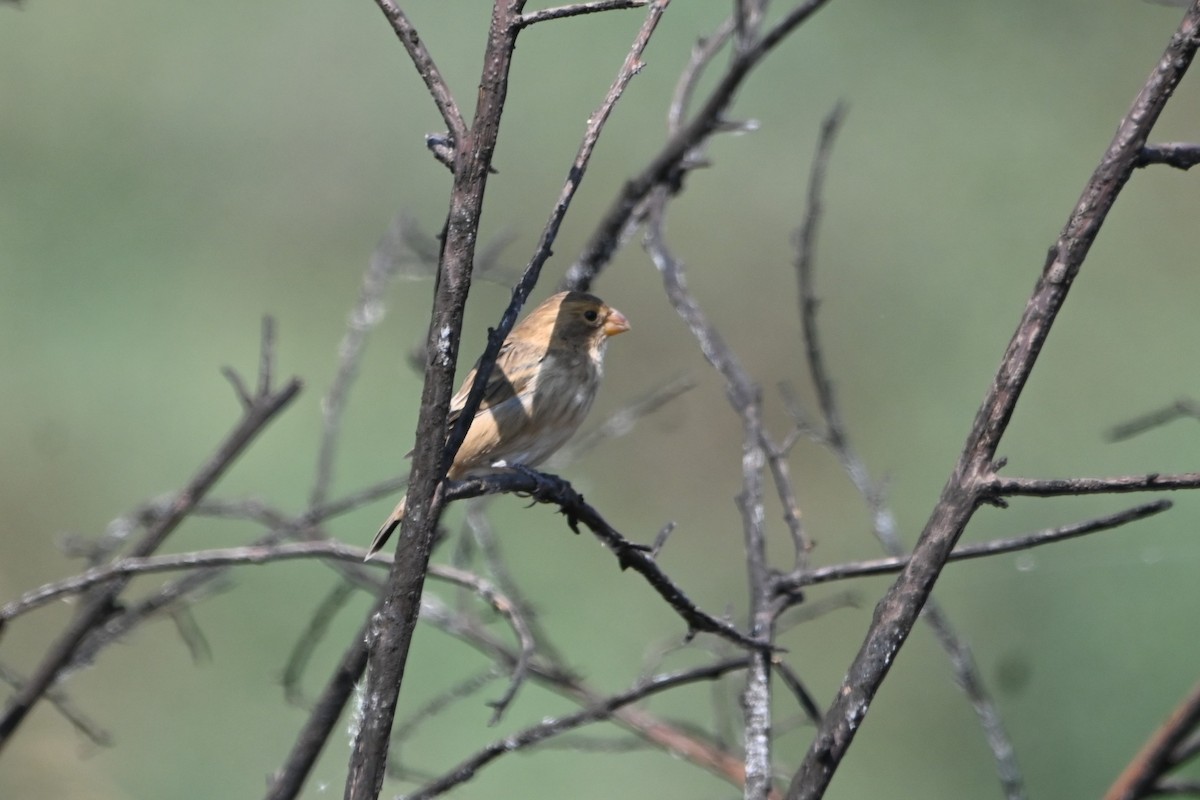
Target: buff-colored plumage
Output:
{"points": [[543, 384]]}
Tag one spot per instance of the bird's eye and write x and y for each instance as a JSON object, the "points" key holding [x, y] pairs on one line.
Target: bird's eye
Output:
{"points": [[590, 315]]}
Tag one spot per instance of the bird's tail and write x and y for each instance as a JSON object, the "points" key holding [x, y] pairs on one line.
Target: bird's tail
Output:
{"points": [[385, 530]]}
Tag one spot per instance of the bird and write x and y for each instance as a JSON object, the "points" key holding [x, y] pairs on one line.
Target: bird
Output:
{"points": [[540, 390]]}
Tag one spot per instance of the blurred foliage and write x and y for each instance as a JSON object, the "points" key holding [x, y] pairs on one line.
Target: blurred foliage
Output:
{"points": [[169, 172]]}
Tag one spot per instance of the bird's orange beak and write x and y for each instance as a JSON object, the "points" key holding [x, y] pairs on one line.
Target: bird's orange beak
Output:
{"points": [[615, 323]]}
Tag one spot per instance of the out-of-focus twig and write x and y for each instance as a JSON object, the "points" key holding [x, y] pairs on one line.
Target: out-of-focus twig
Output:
{"points": [[1183, 407], [1143, 776], [264, 406], [836, 437], [536, 734]]}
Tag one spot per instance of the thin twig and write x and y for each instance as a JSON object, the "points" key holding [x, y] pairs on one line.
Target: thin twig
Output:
{"points": [[100, 605], [428, 71], [680, 739], [512, 613], [1183, 407], [318, 625], [602, 710], [63, 704], [883, 566], [999, 486], [746, 399], [836, 438], [665, 170], [1180, 155], [288, 780], [575, 9], [1155, 758], [364, 317]]}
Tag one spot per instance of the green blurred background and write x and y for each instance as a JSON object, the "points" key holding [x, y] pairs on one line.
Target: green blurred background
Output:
{"points": [[171, 171]]}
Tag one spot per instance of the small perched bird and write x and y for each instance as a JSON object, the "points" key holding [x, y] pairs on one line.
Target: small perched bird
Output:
{"points": [[541, 388]]}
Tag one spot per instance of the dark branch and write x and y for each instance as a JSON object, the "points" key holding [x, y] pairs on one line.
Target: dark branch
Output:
{"points": [[1180, 155]]}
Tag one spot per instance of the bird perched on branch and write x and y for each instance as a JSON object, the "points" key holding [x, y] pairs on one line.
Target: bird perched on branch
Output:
{"points": [[541, 388]]}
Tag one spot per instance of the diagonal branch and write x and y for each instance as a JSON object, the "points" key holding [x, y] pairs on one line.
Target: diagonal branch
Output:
{"points": [[1159, 755], [884, 524], [425, 68], [968, 485], [265, 406], [555, 726], [746, 399], [483, 370], [665, 170]]}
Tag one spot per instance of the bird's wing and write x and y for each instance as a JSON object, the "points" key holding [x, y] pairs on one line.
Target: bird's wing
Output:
{"points": [[503, 384]]}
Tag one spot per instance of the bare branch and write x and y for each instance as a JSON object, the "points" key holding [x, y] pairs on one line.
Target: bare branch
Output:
{"points": [[367, 314], [968, 483], [318, 625], [575, 9], [1156, 757], [746, 399], [602, 710], [289, 779], [1000, 486], [544, 488], [1180, 155], [1183, 407], [64, 705], [666, 168], [679, 739], [883, 566], [99, 606], [837, 439], [507, 609], [426, 69]]}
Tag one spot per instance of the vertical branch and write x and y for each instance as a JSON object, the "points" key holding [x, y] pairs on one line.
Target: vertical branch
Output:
{"points": [[391, 628], [745, 398], [967, 486]]}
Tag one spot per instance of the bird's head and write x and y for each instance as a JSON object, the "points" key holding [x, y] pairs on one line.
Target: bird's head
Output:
{"points": [[575, 319]]}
